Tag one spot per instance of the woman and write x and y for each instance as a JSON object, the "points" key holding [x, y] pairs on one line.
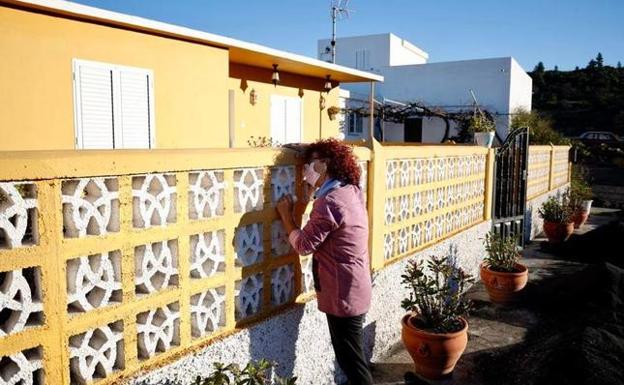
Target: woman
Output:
{"points": [[337, 235]]}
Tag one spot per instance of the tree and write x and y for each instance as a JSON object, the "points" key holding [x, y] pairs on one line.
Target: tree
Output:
{"points": [[540, 127], [539, 68], [619, 65], [556, 68], [599, 60], [592, 64]]}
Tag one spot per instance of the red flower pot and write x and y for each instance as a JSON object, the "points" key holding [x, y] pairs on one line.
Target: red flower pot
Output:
{"points": [[503, 287], [580, 218], [558, 232], [435, 354]]}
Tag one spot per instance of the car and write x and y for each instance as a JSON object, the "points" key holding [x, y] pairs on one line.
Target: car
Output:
{"points": [[599, 137]]}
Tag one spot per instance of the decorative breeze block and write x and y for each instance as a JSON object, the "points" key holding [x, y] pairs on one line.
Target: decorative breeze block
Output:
{"points": [[20, 300], [156, 266], [22, 368], [18, 214], [248, 243], [249, 296], [207, 311], [280, 245], [93, 281], [282, 182], [158, 330], [282, 284], [207, 254], [96, 353], [154, 200], [248, 190], [90, 206], [206, 190]]}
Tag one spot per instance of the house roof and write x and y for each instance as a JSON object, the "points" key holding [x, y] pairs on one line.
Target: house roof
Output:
{"points": [[239, 51]]}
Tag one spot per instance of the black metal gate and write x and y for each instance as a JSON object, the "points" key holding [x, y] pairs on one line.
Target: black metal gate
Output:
{"points": [[510, 185]]}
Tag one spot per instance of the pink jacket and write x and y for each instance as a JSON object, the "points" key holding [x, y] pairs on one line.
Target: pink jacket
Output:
{"points": [[337, 234]]}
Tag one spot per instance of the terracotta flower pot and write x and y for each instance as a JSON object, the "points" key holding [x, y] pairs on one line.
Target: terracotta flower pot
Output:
{"points": [[503, 287], [558, 232], [434, 354], [580, 217]]}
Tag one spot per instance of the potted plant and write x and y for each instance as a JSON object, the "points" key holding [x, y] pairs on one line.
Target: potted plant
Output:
{"points": [[580, 197], [501, 273], [557, 216], [332, 112], [482, 128], [435, 332]]}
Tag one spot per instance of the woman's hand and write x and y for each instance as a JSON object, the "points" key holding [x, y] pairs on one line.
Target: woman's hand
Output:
{"points": [[285, 207]]}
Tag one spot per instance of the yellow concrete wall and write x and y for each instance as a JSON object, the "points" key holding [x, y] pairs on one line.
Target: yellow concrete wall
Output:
{"points": [[42, 180], [548, 169], [50, 251], [255, 120], [36, 92]]}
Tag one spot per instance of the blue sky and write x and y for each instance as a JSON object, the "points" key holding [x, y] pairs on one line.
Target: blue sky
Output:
{"points": [[565, 33]]}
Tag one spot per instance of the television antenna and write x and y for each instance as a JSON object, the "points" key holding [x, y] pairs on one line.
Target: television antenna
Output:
{"points": [[339, 11]]}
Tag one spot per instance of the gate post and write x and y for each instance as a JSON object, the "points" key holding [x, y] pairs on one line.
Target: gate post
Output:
{"points": [[376, 201], [489, 184]]}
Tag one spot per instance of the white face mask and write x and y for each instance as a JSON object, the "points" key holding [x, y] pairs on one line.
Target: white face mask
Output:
{"points": [[310, 175]]}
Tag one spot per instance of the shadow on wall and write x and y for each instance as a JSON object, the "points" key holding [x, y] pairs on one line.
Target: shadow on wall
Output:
{"points": [[266, 286]]}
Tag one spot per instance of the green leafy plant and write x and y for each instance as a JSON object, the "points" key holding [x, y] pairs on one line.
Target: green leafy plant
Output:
{"points": [[333, 111], [437, 296], [557, 210], [479, 122], [580, 189], [254, 373], [502, 252]]}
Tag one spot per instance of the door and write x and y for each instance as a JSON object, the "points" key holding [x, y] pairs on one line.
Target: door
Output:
{"points": [[286, 119], [412, 130], [510, 185]]}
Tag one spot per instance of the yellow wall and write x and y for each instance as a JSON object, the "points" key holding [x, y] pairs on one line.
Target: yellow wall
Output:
{"points": [[36, 92], [255, 120]]}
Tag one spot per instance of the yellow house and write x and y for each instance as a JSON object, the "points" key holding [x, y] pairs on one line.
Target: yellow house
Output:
{"points": [[78, 77]]}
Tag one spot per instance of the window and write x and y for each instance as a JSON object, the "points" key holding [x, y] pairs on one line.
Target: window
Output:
{"points": [[286, 119], [113, 106], [355, 123]]}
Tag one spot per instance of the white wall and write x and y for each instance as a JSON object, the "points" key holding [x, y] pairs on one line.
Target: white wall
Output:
{"points": [[402, 52], [521, 92], [383, 50], [448, 84], [378, 47], [500, 84]]}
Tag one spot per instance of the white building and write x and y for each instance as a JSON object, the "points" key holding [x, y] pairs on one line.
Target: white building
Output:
{"points": [[499, 84]]}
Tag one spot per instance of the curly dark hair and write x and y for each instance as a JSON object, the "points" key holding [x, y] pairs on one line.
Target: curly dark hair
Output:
{"points": [[341, 162]]}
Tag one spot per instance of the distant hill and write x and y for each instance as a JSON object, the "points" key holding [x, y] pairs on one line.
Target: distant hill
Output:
{"points": [[590, 98]]}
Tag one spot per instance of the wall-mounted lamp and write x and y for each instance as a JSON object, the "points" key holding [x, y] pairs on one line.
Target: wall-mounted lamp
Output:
{"points": [[253, 97], [275, 77], [328, 84]]}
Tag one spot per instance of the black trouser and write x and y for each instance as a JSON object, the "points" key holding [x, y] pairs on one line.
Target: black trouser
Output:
{"points": [[346, 337]]}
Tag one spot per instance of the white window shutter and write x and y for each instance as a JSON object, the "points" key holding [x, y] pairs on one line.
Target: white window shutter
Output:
{"points": [[293, 120], [134, 108], [94, 106], [278, 119]]}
